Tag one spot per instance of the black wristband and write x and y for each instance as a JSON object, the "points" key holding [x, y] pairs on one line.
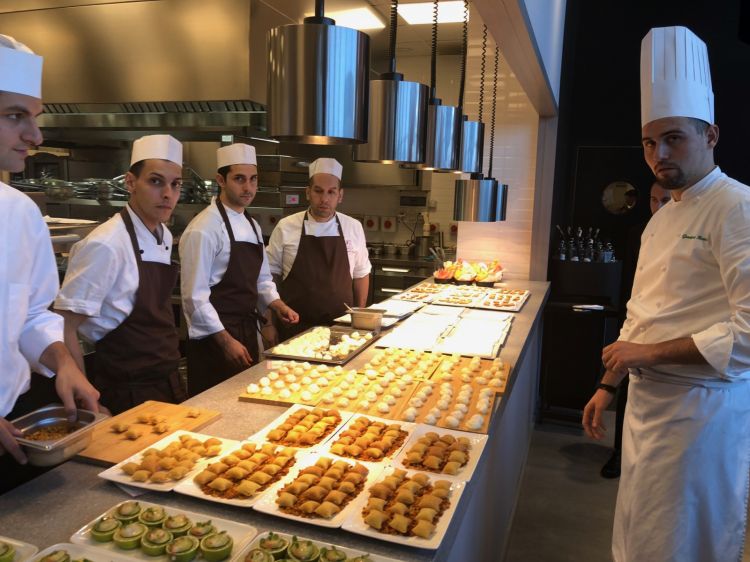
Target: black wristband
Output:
{"points": [[608, 387]]}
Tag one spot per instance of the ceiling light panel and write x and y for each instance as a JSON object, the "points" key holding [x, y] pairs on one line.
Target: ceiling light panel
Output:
{"points": [[421, 12]]}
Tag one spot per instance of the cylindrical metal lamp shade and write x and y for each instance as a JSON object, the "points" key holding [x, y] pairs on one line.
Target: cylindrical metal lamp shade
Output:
{"points": [[443, 138], [472, 144], [397, 120], [501, 206], [475, 200], [318, 84]]}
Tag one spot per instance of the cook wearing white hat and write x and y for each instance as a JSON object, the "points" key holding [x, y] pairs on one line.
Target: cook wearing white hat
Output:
{"points": [[118, 286], [225, 276], [33, 336], [319, 256], [686, 339]]}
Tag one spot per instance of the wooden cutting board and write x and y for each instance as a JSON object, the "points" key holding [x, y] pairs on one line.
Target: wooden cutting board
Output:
{"points": [[108, 447]]}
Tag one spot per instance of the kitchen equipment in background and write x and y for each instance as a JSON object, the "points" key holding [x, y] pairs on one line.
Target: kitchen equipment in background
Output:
{"points": [[397, 113], [278, 169], [424, 243], [367, 318], [376, 249], [388, 224], [321, 97], [403, 250], [389, 249], [371, 223]]}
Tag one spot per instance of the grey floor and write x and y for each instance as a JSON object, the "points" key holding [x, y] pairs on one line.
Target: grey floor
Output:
{"points": [[565, 510]]}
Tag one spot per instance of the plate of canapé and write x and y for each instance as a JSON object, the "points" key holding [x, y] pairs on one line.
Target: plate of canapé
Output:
{"points": [[319, 491], [148, 531], [405, 507], [161, 466]]}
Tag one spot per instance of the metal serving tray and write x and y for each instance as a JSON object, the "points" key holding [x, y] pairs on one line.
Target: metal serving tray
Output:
{"points": [[336, 334], [52, 452]]}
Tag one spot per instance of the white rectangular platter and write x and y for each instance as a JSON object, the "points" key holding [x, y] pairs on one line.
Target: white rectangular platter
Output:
{"points": [[116, 474], [240, 533]]}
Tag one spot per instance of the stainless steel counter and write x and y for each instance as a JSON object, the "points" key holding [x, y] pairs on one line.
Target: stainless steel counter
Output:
{"points": [[52, 507]]}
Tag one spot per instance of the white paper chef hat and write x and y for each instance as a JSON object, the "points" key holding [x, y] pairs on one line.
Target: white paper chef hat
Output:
{"points": [[326, 166], [21, 69], [675, 76], [237, 153], [161, 147]]}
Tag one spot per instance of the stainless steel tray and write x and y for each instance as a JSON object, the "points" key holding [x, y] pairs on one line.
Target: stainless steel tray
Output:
{"points": [[52, 452], [336, 334]]}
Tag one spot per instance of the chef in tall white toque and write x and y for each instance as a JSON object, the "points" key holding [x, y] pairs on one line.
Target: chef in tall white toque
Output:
{"points": [[225, 276], [320, 255], [118, 287], [31, 336], [686, 341]]}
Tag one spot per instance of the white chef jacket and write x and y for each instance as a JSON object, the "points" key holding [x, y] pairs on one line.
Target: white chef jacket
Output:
{"points": [[282, 247], [693, 279], [28, 284], [102, 276], [204, 256]]}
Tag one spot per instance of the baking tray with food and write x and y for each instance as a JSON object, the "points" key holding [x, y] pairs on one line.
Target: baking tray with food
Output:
{"points": [[164, 464], [509, 300], [380, 396], [451, 454], [319, 491], [49, 438], [335, 345], [302, 427], [492, 373], [149, 531], [453, 405], [272, 546], [12, 550], [401, 362], [293, 382], [406, 507], [240, 477]]}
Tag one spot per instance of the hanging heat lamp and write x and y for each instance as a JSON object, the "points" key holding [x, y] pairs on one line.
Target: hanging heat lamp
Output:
{"points": [[443, 121], [318, 82], [398, 113], [472, 132], [481, 199]]}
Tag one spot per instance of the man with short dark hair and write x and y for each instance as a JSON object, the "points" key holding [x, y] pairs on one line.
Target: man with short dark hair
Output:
{"points": [[31, 336], [225, 276], [320, 256], [118, 286], [686, 341]]}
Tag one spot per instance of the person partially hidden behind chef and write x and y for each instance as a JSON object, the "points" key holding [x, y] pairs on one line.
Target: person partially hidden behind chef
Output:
{"points": [[225, 276], [686, 340], [319, 256], [118, 286], [31, 335]]}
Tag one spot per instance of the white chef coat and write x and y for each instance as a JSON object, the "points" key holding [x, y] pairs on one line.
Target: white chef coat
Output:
{"points": [[284, 242], [693, 279], [28, 285], [102, 276], [204, 256], [686, 438]]}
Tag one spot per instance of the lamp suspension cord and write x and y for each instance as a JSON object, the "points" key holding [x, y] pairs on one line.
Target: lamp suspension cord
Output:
{"points": [[494, 106], [392, 37], [319, 8], [482, 73], [433, 62], [465, 42]]}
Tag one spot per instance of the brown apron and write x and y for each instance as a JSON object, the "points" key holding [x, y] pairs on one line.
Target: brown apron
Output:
{"points": [[138, 360], [319, 282], [235, 299]]}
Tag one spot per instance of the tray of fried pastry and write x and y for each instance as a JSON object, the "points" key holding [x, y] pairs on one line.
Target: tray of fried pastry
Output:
{"points": [[369, 439], [371, 395], [406, 507], [302, 427], [319, 491], [292, 382], [241, 476]]}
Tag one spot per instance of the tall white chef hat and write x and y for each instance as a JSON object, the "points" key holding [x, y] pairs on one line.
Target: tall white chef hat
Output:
{"points": [[237, 153], [21, 69], [326, 166], [675, 76], [161, 147]]}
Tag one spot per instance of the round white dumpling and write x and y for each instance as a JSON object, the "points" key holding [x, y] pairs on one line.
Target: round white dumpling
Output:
{"points": [[371, 396], [430, 419], [371, 374], [337, 391], [285, 393], [364, 405], [342, 402], [396, 391], [495, 382], [305, 380], [290, 378], [410, 414], [329, 398], [322, 381], [265, 381], [383, 408], [266, 391], [283, 370], [299, 371], [295, 387], [475, 422], [306, 395], [416, 402], [314, 388], [352, 394], [273, 375], [443, 404], [279, 384], [253, 388], [377, 389], [343, 385], [388, 399]]}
